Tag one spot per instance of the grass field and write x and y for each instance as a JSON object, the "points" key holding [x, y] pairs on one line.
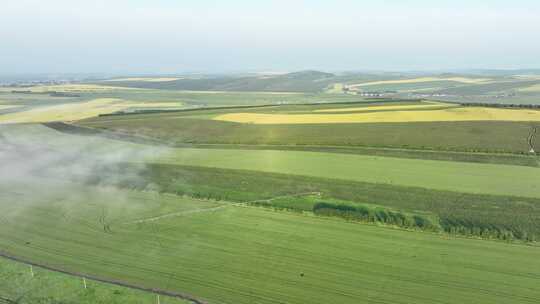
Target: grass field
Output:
{"points": [[228, 212], [245, 255], [372, 179], [453, 209], [442, 175], [476, 157], [48, 287]]}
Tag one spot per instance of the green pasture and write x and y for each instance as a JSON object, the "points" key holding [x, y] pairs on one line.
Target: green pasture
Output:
{"points": [[50, 287], [226, 212], [241, 254], [441, 175], [475, 201]]}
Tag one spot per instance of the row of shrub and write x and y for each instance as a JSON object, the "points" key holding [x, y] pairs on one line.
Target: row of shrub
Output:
{"points": [[486, 230], [268, 204], [374, 215], [500, 105]]}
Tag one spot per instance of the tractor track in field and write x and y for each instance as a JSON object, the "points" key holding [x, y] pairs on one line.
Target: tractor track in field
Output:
{"points": [[283, 196], [157, 291], [187, 212], [180, 213]]}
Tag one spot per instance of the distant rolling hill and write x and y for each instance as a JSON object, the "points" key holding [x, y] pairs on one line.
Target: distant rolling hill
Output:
{"points": [[304, 81], [516, 86]]}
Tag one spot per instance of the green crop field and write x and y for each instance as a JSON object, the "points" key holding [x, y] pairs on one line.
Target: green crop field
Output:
{"points": [[199, 127], [454, 176], [442, 175], [269, 152], [117, 186], [20, 284], [244, 254]]}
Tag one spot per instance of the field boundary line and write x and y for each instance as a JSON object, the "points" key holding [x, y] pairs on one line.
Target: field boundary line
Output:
{"points": [[180, 213], [283, 196], [159, 291], [225, 205]]}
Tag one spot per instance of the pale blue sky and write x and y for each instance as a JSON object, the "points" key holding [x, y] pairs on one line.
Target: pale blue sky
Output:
{"points": [[149, 36]]}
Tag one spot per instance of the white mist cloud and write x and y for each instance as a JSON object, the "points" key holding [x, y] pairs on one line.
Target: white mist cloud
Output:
{"points": [[42, 162]]}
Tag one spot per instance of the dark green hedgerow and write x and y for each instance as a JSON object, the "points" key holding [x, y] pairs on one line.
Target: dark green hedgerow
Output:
{"points": [[455, 224], [374, 215]]}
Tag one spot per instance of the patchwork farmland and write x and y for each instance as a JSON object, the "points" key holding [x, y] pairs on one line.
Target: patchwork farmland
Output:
{"points": [[267, 196]]}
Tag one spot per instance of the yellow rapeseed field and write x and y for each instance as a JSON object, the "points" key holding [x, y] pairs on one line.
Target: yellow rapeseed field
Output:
{"points": [[73, 88], [5, 107], [337, 88], [424, 79], [450, 114], [79, 110], [534, 88], [378, 108]]}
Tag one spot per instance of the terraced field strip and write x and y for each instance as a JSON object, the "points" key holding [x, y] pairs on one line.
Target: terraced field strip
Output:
{"points": [[441, 175], [451, 114]]}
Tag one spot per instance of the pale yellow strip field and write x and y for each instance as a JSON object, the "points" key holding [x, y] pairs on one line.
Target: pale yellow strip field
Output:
{"points": [[528, 77], [146, 79], [451, 114], [69, 88], [425, 79], [534, 88], [77, 111], [336, 88], [240, 92], [5, 107], [379, 108]]}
